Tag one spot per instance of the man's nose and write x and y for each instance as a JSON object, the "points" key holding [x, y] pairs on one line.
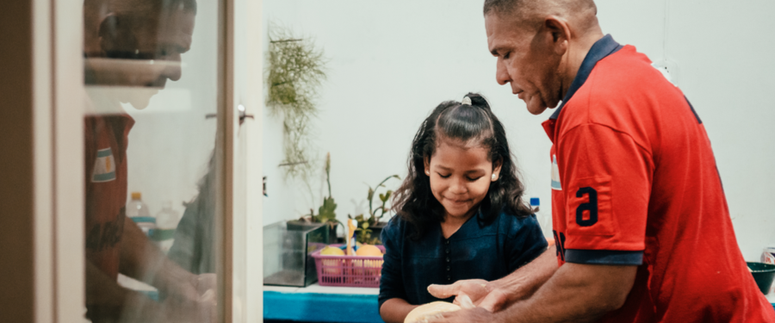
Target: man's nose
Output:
{"points": [[173, 71], [501, 73]]}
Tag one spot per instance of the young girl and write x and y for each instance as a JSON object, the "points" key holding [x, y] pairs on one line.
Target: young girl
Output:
{"points": [[460, 209]]}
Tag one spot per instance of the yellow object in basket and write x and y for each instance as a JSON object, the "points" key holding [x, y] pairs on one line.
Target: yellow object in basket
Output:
{"points": [[373, 267], [331, 251], [428, 311], [352, 225], [368, 250]]}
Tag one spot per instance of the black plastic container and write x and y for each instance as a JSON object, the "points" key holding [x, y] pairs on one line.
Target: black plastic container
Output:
{"points": [[763, 274]]}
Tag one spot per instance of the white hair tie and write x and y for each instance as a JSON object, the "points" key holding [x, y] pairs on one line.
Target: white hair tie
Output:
{"points": [[466, 100]]}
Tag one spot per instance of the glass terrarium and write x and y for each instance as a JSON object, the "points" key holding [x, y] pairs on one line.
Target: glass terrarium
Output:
{"points": [[287, 249]]}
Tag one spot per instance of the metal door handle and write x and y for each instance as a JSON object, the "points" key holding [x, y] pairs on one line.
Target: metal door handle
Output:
{"points": [[242, 115]]}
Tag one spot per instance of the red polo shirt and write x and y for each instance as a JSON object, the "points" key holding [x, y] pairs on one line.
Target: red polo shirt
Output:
{"points": [[635, 182], [106, 188]]}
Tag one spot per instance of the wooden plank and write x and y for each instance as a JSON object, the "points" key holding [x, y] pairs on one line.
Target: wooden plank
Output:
{"points": [[17, 271]]}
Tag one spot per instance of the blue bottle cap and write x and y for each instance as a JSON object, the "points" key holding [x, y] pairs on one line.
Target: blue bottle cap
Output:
{"points": [[534, 201], [139, 219]]}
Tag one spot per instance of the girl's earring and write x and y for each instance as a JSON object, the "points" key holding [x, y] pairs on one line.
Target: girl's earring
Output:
{"points": [[494, 177], [427, 173]]}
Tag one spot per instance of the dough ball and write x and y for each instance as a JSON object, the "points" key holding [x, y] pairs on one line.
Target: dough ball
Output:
{"points": [[425, 312]]}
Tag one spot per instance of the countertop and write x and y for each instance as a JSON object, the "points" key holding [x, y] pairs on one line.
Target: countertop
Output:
{"points": [[317, 303]]}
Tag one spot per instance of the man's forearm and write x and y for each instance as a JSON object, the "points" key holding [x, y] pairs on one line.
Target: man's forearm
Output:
{"points": [[107, 301], [525, 281], [576, 293], [101, 290], [142, 260]]}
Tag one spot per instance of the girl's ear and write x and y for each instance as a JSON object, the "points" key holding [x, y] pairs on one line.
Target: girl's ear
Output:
{"points": [[496, 170], [427, 164]]}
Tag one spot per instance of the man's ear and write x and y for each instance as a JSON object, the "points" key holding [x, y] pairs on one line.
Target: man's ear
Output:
{"points": [[559, 30], [116, 38]]}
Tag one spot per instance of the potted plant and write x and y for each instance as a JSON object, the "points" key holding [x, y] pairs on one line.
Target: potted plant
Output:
{"points": [[295, 69], [364, 234], [370, 226], [326, 213]]}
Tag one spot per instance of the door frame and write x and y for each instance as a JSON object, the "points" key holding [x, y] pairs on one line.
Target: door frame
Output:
{"points": [[47, 224]]}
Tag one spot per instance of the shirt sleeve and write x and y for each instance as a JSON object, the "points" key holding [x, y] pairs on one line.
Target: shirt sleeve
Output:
{"points": [[525, 241], [606, 180], [391, 283]]}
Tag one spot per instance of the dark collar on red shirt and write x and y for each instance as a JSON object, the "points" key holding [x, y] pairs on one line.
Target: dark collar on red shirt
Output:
{"points": [[601, 49]]}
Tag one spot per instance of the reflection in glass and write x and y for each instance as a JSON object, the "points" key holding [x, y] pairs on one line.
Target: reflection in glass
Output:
{"points": [[149, 158]]}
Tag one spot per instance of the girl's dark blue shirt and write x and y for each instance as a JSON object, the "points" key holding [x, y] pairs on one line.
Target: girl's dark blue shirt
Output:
{"points": [[478, 249]]}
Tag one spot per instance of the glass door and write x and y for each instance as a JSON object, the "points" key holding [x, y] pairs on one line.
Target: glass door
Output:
{"points": [[166, 181]]}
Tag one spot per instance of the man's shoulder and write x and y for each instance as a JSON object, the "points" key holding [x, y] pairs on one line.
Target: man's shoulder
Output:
{"points": [[624, 75], [622, 88]]}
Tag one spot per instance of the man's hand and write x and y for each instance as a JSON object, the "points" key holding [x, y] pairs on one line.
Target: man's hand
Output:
{"points": [[206, 282], [472, 315], [192, 299], [497, 295], [202, 310], [482, 293]]}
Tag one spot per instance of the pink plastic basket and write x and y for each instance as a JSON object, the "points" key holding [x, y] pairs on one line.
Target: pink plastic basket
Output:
{"points": [[351, 271]]}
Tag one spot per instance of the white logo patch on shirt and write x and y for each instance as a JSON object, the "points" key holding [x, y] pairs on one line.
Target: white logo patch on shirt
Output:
{"points": [[555, 174], [104, 166]]}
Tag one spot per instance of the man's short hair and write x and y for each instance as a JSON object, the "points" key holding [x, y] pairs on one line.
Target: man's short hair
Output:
{"points": [[534, 10], [512, 6], [146, 8], [500, 6]]}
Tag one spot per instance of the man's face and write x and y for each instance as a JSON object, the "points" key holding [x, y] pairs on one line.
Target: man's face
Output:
{"points": [[143, 53], [172, 40], [526, 60], [163, 42], [146, 50]]}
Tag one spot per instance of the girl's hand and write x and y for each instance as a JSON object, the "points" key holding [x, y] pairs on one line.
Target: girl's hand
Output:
{"points": [[482, 293]]}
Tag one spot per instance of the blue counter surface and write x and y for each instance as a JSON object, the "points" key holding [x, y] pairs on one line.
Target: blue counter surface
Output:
{"points": [[321, 304], [330, 304], [320, 307]]}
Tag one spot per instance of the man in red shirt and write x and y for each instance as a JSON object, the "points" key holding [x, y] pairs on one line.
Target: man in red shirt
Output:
{"points": [[636, 194]]}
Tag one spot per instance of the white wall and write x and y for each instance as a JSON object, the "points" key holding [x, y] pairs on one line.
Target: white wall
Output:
{"points": [[392, 62], [726, 69]]}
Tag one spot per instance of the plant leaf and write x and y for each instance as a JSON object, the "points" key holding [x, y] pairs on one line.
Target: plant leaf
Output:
{"points": [[326, 212]]}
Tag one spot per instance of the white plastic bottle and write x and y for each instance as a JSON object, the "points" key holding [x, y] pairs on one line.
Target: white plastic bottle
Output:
{"points": [[139, 213], [166, 222]]}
